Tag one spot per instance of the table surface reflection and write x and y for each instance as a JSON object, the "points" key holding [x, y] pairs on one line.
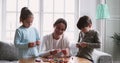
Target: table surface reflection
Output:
{"points": [[72, 59]]}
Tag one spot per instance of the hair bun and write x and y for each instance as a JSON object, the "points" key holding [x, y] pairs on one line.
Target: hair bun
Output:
{"points": [[25, 12]]}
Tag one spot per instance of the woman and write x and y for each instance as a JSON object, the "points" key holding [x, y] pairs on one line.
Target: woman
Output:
{"points": [[56, 43]]}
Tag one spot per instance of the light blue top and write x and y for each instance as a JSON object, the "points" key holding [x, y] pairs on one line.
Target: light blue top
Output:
{"points": [[23, 36]]}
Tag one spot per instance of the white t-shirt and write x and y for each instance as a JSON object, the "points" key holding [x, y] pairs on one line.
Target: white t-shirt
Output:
{"points": [[56, 43], [48, 44]]}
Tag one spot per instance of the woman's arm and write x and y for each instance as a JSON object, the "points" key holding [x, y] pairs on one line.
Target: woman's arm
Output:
{"points": [[43, 47]]}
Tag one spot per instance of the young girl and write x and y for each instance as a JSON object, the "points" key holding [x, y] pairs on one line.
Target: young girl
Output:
{"points": [[88, 38], [26, 38]]}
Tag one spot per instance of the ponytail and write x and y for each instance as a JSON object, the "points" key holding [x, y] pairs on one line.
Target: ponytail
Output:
{"points": [[25, 13]]}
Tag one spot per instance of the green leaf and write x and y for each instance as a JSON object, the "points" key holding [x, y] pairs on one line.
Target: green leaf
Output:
{"points": [[116, 36]]}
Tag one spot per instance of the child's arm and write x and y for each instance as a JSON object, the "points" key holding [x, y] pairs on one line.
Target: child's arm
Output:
{"points": [[96, 43], [33, 44], [82, 44], [17, 40], [85, 44]]}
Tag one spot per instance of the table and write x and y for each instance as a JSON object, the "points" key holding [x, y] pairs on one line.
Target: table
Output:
{"points": [[72, 59], [78, 60]]}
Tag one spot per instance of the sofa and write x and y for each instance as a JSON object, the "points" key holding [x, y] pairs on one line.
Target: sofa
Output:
{"points": [[98, 56], [9, 54], [101, 57]]}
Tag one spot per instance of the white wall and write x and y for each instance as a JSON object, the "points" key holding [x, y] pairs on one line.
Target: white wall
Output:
{"points": [[88, 7], [0, 16], [113, 25]]}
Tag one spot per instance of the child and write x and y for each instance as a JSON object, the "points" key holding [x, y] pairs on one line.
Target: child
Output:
{"points": [[26, 38], [88, 38]]}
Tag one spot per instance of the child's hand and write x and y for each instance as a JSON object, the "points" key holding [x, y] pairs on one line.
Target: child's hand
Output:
{"points": [[83, 44], [32, 44], [78, 45], [38, 43]]}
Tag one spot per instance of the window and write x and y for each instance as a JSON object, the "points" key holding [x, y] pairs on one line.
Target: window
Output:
{"points": [[11, 13], [46, 12], [0, 17], [54, 9]]}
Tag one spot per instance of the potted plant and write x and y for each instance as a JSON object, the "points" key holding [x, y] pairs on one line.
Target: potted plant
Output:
{"points": [[116, 37]]}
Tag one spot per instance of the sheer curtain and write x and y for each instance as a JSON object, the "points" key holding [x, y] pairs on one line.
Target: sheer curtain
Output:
{"points": [[0, 17]]}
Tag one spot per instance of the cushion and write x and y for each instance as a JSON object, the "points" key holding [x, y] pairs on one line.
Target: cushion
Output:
{"points": [[101, 57], [8, 51]]}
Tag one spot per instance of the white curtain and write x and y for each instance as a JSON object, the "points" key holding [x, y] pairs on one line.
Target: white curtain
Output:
{"points": [[0, 17]]}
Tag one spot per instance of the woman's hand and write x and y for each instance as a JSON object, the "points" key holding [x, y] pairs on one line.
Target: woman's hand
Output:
{"points": [[54, 51], [64, 51]]}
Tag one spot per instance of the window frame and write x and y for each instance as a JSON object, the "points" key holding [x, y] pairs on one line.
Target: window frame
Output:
{"points": [[41, 13]]}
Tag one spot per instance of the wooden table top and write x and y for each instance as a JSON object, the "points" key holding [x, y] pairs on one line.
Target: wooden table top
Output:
{"points": [[78, 60], [66, 60]]}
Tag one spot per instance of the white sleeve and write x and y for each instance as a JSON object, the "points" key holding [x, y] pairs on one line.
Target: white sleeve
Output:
{"points": [[66, 42], [43, 48]]}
